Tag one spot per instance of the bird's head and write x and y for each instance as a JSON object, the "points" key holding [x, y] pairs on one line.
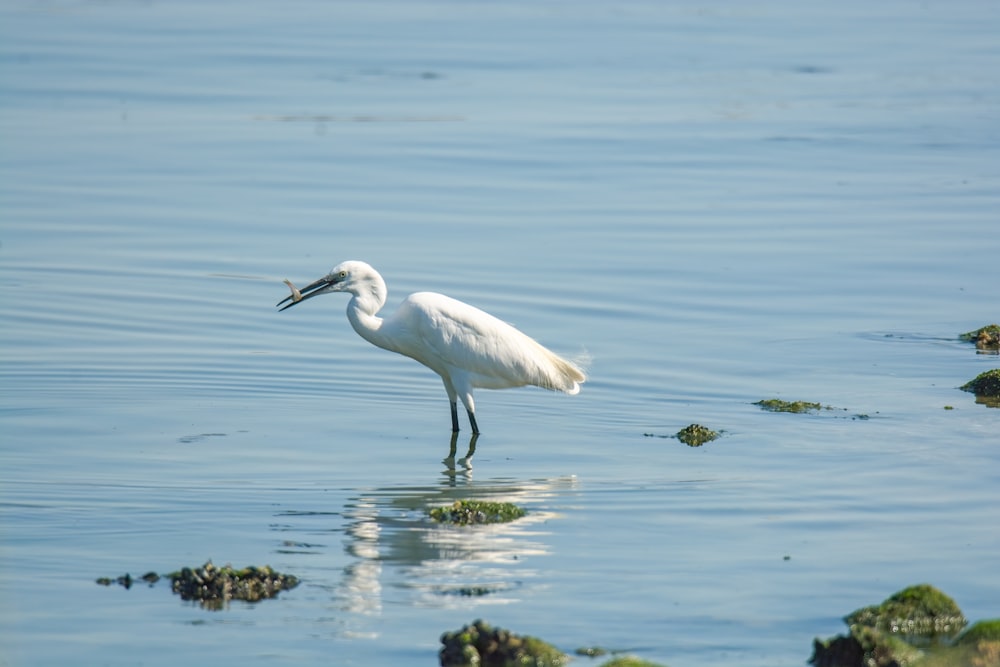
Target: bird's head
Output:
{"points": [[349, 276]]}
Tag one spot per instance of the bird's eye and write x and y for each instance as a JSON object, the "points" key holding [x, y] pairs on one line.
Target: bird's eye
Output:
{"points": [[342, 275]]}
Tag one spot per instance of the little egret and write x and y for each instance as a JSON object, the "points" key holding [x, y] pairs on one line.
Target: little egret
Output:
{"points": [[466, 346]]}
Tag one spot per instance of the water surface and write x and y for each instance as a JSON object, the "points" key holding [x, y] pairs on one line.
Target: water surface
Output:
{"points": [[715, 204]]}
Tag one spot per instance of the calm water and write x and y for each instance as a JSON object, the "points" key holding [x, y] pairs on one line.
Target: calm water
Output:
{"points": [[714, 203]]}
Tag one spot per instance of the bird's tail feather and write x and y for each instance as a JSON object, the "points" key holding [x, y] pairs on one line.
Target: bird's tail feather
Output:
{"points": [[565, 376]]}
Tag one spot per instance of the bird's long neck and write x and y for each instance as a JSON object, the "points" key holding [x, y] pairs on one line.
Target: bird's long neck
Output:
{"points": [[362, 309]]}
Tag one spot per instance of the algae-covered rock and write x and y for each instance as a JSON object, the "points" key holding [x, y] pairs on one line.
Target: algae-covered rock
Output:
{"points": [[470, 591], [980, 631], [465, 512], [481, 645], [696, 435], [978, 646], [839, 651], [986, 338], [630, 661], [215, 586], [778, 405], [986, 384], [921, 614], [983, 654], [911, 627], [864, 647]]}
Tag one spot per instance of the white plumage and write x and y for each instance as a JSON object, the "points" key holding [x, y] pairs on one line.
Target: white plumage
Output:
{"points": [[466, 346]]}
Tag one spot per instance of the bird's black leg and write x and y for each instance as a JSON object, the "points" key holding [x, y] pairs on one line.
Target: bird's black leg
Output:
{"points": [[454, 417], [472, 421]]}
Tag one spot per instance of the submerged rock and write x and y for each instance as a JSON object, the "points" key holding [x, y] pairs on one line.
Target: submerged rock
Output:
{"points": [[778, 405], [630, 661], [466, 512], [125, 581], [481, 645], [471, 591], [696, 435], [215, 586]]}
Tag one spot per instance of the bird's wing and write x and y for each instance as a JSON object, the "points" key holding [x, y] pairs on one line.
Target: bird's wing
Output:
{"points": [[446, 334]]}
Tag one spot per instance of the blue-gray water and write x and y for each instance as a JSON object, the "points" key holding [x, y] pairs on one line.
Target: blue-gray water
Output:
{"points": [[716, 203]]}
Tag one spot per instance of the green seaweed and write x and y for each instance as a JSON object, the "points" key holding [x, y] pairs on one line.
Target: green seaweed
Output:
{"points": [[468, 512]]}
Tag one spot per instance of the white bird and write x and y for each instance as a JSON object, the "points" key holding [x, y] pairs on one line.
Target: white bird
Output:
{"points": [[466, 346]]}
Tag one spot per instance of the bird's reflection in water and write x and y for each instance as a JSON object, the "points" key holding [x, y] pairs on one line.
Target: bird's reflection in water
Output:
{"points": [[466, 461], [401, 555], [362, 584]]}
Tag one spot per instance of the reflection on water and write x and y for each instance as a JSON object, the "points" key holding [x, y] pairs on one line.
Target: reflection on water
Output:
{"points": [[396, 550], [361, 589], [466, 461]]}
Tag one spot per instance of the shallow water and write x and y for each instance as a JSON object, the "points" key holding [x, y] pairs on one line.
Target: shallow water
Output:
{"points": [[714, 204]]}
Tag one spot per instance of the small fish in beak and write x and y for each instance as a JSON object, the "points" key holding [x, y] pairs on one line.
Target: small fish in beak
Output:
{"points": [[296, 294]]}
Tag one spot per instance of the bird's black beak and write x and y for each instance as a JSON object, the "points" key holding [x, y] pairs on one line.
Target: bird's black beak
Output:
{"points": [[307, 292]]}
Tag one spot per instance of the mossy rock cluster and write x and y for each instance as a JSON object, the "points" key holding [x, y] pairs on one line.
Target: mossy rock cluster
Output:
{"points": [[214, 586], [469, 512], [917, 627], [985, 338], [630, 661], [919, 614], [985, 384], [864, 647], [696, 435], [981, 631], [978, 646], [778, 405], [482, 645]]}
